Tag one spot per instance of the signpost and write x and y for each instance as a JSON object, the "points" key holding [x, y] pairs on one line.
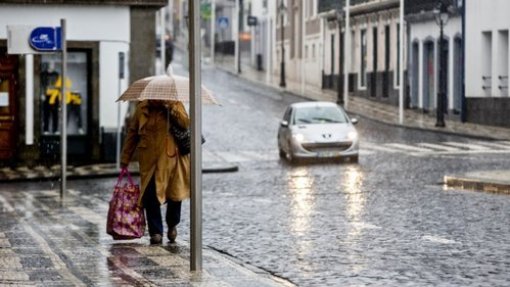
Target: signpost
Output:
{"points": [[121, 76]]}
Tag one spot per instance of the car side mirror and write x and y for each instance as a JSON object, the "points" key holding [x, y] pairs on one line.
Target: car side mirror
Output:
{"points": [[354, 121], [284, 124]]}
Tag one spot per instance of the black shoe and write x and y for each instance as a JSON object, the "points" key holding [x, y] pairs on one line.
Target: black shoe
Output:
{"points": [[172, 234], [156, 239]]}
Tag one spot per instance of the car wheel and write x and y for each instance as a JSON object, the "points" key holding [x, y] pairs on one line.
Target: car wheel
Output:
{"points": [[290, 156], [282, 153]]}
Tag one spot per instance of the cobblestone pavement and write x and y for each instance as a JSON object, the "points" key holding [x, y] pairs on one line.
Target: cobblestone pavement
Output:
{"points": [[46, 243], [388, 221]]}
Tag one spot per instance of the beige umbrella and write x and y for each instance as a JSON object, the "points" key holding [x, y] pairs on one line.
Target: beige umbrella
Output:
{"points": [[164, 87]]}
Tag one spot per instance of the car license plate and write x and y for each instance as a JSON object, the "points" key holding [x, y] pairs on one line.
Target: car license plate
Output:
{"points": [[326, 154]]}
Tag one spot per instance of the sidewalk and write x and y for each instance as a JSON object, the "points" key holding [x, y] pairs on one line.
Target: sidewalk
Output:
{"points": [[47, 242], [493, 181]]}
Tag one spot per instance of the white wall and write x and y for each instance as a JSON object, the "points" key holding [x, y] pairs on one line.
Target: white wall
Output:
{"points": [[110, 25], [92, 23], [484, 16], [429, 30], [109, 82]]}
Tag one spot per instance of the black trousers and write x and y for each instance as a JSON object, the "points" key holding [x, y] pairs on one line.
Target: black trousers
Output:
{"points": [[153, 210]]}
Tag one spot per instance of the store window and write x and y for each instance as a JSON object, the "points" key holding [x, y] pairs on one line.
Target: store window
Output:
{"points": [[76, 96]]}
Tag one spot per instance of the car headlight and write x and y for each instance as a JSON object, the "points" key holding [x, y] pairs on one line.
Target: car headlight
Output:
{"points": [[352, 135], [299, 137]]}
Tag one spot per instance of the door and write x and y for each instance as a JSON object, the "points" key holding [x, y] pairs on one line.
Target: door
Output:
{"points": [[8, 108], [415, 75], [373, 84], [428, 76]]}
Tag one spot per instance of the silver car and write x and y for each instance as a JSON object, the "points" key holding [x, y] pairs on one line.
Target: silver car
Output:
{"points": [[317, 130]]}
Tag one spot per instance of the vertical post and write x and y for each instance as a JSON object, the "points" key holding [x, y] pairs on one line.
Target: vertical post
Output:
{"points": [[235, 26], [303, 55], [213, 29], [196, 136], [347, 51], [401, 68], [63, 105], [121, 76], [282, 31], [442, 82], [162, 41], [339, 88], [463, 116]]}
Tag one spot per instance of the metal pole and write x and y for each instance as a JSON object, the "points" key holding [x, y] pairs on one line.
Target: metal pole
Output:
{"points": [[282, 31], [303, 35], [235, 27], [441, 93], [162, 41], [339, 88], [213, 30], [63, 105], [347, 51], [121, 76], [401, 68], [196, 136]]}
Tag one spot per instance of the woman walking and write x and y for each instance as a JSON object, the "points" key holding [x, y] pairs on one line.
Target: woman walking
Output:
{"points": [[164, 172]]}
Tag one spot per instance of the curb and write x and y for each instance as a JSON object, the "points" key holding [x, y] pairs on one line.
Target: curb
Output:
{"points": [[475, 184], [217, 168]]}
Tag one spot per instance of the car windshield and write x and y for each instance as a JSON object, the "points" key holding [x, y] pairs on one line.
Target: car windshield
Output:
{"points": [[319, 115]]}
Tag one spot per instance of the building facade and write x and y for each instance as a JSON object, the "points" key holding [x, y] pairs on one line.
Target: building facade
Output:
{"points": [[302, 41], [487, 26], [374, 48], [424, 55], [98, 32]]}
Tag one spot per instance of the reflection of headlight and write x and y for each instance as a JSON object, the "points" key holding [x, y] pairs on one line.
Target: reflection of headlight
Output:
{"points": [[299, 137], [352, 135]]}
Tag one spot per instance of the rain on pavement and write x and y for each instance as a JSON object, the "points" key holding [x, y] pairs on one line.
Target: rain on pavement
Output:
{"points": [[385, 221]]}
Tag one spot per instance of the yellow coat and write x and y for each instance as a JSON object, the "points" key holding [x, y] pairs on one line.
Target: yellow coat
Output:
{"points": [[158, 156]]}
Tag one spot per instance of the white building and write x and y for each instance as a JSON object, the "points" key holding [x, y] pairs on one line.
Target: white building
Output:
{"points": [[302, 40], [96, 34], [487, 62], [423, 67]]}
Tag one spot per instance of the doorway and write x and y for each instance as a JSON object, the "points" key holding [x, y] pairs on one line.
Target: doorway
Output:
{"points": [[8, 106], [429, 72], [415, 65]]}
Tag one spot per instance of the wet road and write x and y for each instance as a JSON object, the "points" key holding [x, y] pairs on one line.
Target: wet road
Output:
{"points": [[386, 221]]}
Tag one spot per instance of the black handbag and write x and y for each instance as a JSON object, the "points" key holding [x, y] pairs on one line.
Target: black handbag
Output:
{"points": [[182, 138]]}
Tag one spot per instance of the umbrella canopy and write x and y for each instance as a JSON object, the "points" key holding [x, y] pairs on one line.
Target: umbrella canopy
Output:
{"points": [[164, 87]]}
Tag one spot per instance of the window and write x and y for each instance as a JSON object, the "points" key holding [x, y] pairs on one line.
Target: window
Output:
{"points": [[363, 59], [76, 94], [306, 51], [313, 51]]}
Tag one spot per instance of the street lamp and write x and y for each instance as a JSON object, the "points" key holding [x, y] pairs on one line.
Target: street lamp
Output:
{"points": [[339, 88], [282, 9], [441, 14]]}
